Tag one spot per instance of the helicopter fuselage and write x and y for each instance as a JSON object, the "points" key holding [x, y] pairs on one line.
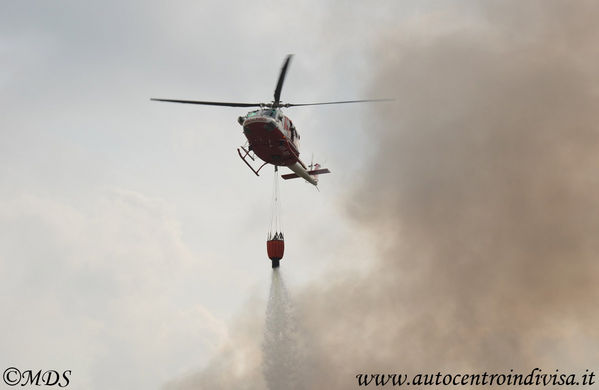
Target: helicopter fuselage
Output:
{"points": [[271, 136]]}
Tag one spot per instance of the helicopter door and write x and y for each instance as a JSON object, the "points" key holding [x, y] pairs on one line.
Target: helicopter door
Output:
{"points": [[287, 129]]}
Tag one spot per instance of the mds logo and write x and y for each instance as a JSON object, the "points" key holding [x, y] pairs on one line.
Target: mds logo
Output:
{"points": [[13, 376]]}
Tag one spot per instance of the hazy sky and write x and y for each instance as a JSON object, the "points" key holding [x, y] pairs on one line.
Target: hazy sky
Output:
{"points": [[132, 237], [131, 231]]}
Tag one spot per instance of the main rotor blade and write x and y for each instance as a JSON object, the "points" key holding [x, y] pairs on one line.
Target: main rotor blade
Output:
{"points": [[281, 79], [340, 102], [225, 104]]}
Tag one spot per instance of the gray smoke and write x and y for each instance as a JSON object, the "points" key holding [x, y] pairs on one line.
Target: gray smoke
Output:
{"points": [[485, 201], [483, 196], [237, 363]]}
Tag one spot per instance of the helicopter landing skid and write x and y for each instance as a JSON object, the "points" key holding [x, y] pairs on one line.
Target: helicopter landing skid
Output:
{"points": [[247, 154]]}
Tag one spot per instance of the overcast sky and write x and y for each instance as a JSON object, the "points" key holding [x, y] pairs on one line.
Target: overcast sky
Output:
{"points": [[131, 231], [132, 238]]}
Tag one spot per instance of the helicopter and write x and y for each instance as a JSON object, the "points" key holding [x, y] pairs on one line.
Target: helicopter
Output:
{"points": [[272, 136]]}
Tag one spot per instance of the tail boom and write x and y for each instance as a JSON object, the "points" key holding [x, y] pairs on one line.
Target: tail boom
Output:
{"points": [[299, 171]]}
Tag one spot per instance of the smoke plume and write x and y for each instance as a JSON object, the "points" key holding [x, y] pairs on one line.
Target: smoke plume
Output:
{"points": [[483, 196]]}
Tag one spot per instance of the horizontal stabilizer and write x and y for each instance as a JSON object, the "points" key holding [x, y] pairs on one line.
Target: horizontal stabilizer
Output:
{"points": [[311, 173], [318, 171], [290, 176]]}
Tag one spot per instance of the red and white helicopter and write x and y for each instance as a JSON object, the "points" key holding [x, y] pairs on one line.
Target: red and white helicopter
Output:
{"points": [[271, 136]]}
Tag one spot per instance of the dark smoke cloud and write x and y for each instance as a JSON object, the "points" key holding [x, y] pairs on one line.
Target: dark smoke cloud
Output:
{"points": [[484, 198]]}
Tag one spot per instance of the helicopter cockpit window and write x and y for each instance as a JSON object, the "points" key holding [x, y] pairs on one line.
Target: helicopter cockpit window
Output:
{"points": [[270, 113]]}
